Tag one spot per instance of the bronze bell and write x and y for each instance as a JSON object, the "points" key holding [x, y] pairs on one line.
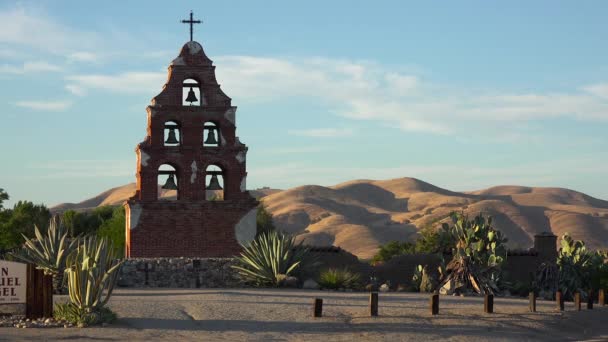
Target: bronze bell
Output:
{"points": [[170, 183], [214, 184], [211, 140], [171, 139], [191, 96]]}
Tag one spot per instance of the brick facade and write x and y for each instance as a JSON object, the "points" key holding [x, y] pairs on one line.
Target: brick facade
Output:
{"points": [[190, 226]]}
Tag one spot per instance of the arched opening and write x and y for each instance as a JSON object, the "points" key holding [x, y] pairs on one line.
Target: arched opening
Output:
{"points": [[167, 183], [214, 183], [191, 93], [211, 135], [172, 134]]}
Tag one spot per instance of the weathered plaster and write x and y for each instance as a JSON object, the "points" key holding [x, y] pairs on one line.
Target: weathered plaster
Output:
{"points": [[246, 229], [178, 61], [240, 157], [194, 170], [194, 47], [144, 157], [230, 114], [244, 184], [134, 214], [223, 141]]}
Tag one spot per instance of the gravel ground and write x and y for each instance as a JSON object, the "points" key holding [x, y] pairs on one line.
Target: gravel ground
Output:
{"points": [[285, 315]]}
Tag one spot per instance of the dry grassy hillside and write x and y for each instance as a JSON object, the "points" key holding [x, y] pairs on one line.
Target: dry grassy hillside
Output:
{"points": [[360, 215]]}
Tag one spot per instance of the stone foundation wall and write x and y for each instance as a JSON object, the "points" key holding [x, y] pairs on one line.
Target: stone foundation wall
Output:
{"points": [[178, 272]]}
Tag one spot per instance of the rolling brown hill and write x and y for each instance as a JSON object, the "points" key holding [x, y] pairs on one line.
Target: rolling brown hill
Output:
{"points": [[360, 215]]}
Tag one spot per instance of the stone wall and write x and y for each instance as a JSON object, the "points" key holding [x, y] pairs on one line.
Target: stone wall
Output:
{"points": [[178, 272]]}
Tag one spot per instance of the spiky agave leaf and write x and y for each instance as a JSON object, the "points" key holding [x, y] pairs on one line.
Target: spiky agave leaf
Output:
{"points": [[269, 258], [48, 252]]}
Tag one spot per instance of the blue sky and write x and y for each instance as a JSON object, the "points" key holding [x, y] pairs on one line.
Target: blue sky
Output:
{"points": [[464, 95]]}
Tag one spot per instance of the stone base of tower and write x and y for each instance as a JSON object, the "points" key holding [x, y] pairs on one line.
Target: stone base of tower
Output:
{"points": [[189, 229]]}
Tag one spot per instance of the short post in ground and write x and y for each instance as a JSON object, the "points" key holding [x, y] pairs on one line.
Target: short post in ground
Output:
{"points": [[317, 307], [590, 300], [559, 299], [601, 297], [577, 301], [373, 304], [532, 301], [488, 303], [434, 304]]}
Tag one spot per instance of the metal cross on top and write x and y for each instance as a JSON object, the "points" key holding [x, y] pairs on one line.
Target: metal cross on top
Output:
{"points": [[191, 22]]}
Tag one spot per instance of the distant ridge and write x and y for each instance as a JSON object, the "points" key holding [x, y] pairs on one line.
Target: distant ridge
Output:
{"points": [[360, 215]]}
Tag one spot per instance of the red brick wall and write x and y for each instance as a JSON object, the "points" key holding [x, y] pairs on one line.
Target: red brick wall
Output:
{"points": [[190, 226]]}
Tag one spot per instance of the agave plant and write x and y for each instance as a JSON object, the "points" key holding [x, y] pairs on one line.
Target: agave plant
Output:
{"points": [[478, 255], [334, 278], [92, 270], [268, 259], [48, 252]]}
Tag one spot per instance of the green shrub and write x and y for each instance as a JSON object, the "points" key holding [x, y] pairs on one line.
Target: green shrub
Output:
{"points": [[80, 316], [392, 249], [334, 278], [269, 258]]}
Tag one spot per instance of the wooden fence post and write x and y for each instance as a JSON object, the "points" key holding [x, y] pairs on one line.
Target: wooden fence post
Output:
{"points": [[434, 304], [39, 294], [590, 300], [577, 301], [532, 301], [317, 307], [373, 304], [488, 303], [559, 299]]}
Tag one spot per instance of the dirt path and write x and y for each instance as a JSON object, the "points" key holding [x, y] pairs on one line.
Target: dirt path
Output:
{"points": [[285, 315]]}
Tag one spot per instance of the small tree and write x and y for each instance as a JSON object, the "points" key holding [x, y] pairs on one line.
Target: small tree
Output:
{"points": [[392, 249], [264, 221], [3, 197], [114, 230]]}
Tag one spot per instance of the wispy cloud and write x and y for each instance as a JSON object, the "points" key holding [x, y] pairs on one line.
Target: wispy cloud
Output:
{"points": [[85, 168], [34, 28], [76, 89], [83, 56], [51, 106], [323, 132], [28, 67], [128, 82], [368, 91]]}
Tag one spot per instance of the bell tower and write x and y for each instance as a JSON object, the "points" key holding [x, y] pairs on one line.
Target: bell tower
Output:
{"points": [[202, 208]]}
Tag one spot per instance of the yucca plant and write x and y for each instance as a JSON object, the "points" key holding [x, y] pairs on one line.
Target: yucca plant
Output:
{"points": [[92, 270], [269, 258], [335, 278], [49, 252]]}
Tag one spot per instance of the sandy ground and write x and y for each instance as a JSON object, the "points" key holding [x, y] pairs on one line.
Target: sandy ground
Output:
{"points": [[285, 315]]}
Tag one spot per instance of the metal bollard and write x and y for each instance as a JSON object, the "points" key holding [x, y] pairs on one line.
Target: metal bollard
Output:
{"points": [[434, 304], [317, 307], [488, 303], [373, 304], [532, 301]]}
